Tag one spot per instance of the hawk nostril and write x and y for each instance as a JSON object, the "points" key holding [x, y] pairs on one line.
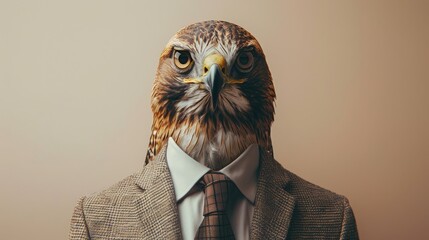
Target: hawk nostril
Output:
{"points": [[206, 69], [223, 70]]}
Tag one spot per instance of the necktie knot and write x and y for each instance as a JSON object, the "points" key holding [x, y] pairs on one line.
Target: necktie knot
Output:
{"points": [[218, 189]]}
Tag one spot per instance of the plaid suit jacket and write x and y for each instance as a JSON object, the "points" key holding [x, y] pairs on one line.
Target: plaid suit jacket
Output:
{"points": [[143, 206]]}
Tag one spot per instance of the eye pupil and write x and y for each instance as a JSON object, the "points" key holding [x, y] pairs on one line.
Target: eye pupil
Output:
{"points": [[183, 58], [244, 59]]}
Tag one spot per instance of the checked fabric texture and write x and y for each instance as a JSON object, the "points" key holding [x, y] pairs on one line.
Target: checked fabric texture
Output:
{"points": [[218, 189]]}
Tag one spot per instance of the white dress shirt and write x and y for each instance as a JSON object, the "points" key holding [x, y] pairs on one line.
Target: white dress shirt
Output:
{"points": [[186, 172]]}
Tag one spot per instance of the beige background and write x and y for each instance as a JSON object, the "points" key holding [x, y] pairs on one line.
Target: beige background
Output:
{"points": [[352, 108]]}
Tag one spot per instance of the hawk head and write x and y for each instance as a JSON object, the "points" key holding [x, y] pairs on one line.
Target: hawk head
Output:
{"points": [[213, 94]]}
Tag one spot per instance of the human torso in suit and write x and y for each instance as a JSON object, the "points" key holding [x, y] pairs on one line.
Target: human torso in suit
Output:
{"points": [[143, 206]]}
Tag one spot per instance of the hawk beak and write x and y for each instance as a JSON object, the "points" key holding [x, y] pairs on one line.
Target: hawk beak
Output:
{"points": [[214, 75]]}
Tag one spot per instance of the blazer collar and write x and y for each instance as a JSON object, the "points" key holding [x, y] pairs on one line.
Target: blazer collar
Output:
{"points": [[273, 204], [156, 206]]}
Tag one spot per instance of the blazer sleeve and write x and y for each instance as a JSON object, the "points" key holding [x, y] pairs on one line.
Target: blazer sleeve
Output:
{"points": [[78, 227], [348, 228]]}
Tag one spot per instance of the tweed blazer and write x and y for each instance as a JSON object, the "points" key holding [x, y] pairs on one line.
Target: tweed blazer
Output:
{"points": [[143, 206]]}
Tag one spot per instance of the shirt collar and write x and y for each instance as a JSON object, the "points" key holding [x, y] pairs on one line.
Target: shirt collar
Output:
{"points": [[185, 171]]}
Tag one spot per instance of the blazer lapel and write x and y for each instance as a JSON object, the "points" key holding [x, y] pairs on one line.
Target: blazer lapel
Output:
{"points": [[156, 205], [273, 204]]}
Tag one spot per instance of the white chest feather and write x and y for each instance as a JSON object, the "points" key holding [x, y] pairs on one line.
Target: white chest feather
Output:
{"points": [[216, 152]]}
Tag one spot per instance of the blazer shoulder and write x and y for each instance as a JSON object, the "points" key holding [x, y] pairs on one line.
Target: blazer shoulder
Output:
{"points": [[100, 214], [314, 194], [123, 189], [319, 209], [122, 192]]}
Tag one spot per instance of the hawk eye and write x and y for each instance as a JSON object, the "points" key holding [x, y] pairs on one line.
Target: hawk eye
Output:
{"points": [[182, 59], [245, 61]]}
